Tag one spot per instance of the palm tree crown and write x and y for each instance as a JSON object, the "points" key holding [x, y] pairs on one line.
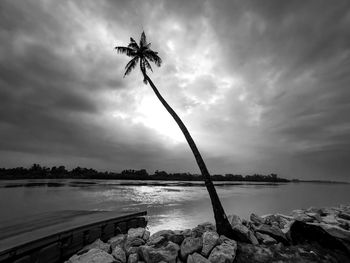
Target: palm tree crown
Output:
{"points": [[141, 52]]}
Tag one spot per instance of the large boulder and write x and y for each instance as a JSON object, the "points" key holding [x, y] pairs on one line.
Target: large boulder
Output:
{"points": [[256, 220], [168, 235], [190, 245], [92, 256], [98, 244], [273, 231], [167, 253], [265, 239], [118, 240], [133, 258], [247, 253], [197, 258], [234, 219], [199, 230], [210, 240], [224, 253], [243, 234], [119, 254], [136, 233]]}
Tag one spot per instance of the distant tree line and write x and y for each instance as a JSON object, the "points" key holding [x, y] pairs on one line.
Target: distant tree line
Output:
{"points": [[37, 171]]}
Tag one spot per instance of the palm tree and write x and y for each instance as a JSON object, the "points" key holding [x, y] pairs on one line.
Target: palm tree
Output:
{"points": [[143, 53]]}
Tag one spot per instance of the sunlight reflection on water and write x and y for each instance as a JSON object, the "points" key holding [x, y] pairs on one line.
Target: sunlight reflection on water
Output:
{"points": [[170, 205]]}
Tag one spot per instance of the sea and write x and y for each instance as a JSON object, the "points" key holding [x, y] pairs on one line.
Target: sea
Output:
{"points": [[169, 204]]}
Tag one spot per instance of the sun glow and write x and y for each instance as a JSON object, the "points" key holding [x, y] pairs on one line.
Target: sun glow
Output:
{"points": [[153, 115]]}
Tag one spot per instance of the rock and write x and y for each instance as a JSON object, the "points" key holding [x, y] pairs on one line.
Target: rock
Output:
{"points": [[247, 253], [274, 232], [186, 233], [242, 233], [134, 242], [234, 220], [132, 250], [200, 229], [252, 238], [146, 235], [118, 240], [190, 245], [256, 220], [197, 258], [224, 253], [177, 237], [301, 216], [210, 240], [96, 244], [265, 239], [336, 231], [344, 215], [133, 258], [315, 216], [156, 241], [119, 254], [224, 239], [164, 233], [92, 256], [330, 219], [168, 253], [301, 232], [134, 233]]}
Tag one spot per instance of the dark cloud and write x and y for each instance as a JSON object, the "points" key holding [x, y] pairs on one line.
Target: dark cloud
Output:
{"points": [[262, 86]]}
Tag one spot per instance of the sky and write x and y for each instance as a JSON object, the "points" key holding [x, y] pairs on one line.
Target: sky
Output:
{"points": [[262, 86]]}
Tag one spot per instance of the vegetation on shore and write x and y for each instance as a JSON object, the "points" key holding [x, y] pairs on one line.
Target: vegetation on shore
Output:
{"points": [[37, 171]]}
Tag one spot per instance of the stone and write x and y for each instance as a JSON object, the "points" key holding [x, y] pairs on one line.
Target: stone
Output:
{"points": [[247, 253], [132, 250], [315, 216], [265, 239], [201, 228], [96, 244], [119, 254], [146, 235], [133, 258], [301, 232], [164, 233], [134, 233], [242, 233], [234, 220], [252, 238], [156, 241], [167, 253], [330, 219], [190, 245], [92, 256], [256, 220], [210, 240], [224, 253], [301, 216], [274, 232], [344, 215], [134, 243], [336, 231], [197, 258], [177, 237], [118, 240], [186, 233]]}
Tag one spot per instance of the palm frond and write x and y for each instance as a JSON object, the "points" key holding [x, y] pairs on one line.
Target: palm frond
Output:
{"points": [[152, 56], [125, 50], [147, 65], [143, 41], [131, 65], [133, 44]]}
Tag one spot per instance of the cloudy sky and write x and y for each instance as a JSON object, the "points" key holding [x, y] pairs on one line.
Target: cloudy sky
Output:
{"points": [[263, 86]]}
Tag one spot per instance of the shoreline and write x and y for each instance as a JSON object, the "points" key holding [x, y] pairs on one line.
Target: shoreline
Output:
{"points": [[305, 235]]}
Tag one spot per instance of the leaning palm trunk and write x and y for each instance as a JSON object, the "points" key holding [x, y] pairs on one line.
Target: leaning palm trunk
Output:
{"points": [[223, 226]]}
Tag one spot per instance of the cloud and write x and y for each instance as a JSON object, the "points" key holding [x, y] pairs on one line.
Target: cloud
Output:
{"points": [[262, 87]]}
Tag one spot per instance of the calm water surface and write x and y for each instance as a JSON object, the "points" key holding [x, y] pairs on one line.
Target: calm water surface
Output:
{"points": [[170, 205]]}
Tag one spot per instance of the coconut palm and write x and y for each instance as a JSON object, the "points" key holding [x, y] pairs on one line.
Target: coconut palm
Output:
{"points": [[142, 53]]}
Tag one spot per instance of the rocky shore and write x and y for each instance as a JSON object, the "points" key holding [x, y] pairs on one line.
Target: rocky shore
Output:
{"points": [[307, 235]]}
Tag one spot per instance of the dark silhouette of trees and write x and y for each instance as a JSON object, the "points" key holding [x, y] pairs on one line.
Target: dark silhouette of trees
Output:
{"points": [[142, 53]]}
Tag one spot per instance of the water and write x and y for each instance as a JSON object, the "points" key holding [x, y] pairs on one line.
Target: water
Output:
{"points": [[170, 205]]}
